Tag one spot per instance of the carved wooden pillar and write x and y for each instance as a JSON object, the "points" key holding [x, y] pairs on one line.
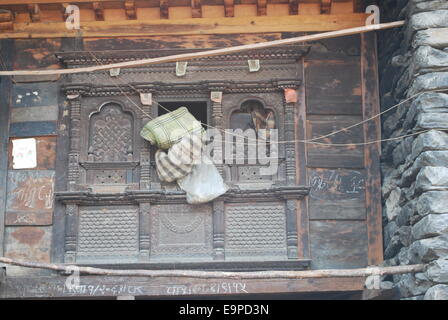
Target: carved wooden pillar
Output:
{"points": [[291, 228], [217, 122], [71, 233], [144, 231], [75, 137], [218, 230], [145, 156], [290, 96]]}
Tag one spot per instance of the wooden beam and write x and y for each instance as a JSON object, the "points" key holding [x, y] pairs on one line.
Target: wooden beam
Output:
{"points": [[372, 152], [215, 52], [325, 6], [34, 12], [131, 12], [293, 7], [261, 7], [164, 11], [98, 10], [229, 9], [190, 26], [103, 286], [196, 8]]}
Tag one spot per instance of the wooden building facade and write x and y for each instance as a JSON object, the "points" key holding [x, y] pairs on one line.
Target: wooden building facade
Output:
{"points": [[94, 197]]}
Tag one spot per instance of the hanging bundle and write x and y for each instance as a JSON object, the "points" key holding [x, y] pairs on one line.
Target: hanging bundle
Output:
{"points": [[183, 162]]}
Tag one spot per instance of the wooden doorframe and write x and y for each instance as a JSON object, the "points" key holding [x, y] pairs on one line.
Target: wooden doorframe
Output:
{"points": [[6, 51]]}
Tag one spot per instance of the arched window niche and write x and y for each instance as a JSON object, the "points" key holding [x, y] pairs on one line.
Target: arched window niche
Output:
{"points": [[253, 114], [111, 134]]}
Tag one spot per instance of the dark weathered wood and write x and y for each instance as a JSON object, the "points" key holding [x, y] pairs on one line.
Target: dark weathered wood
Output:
{"points": [[29, 191], [36, 53], [229, 9], [208, 53], [31, 129], [218, 230], [28, 242], [101, 286], [262, 7], [337, 194], [372, 132], [327, 156], [40, 94], [325, 6], [130, 9], [164, 6], [338, 244], [6, 51], [62, 151], [99, 12], [303, 247], [34, 12], [177, 42], [334, 86], [196, 9], [293, 7]]}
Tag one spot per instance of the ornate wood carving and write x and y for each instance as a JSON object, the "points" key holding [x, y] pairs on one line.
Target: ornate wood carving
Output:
{"points": [[111, 169], [290, 136], [256, 230], [71, 233], [110, 135], [75, 132], [145, 231], [218, 230]]}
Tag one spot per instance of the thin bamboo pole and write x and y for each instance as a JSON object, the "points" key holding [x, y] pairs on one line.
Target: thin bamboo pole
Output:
{"points": [[330, 273]]}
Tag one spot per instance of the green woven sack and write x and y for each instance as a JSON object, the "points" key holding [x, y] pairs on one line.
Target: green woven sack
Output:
{"points": [[166, 130]]}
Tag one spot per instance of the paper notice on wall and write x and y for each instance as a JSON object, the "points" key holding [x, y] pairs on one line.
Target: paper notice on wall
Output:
{"points": [[24, 153]]}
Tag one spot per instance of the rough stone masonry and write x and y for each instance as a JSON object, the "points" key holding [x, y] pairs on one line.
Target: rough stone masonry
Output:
{"points": [[413, 60]]}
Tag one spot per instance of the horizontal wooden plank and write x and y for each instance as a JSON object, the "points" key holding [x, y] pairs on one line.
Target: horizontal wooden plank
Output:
{"points": [[32, 129], [103, 286], [28, 243], [337, 194], [36, 53], [333, 86], [28, 218], [338, 244], [327, 156], [175, 42], [189, 26], [42, 94], [30, 191], [34, 114]]}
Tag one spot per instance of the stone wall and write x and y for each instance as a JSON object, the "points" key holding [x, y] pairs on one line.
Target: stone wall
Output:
{"points": [[414, 59]]}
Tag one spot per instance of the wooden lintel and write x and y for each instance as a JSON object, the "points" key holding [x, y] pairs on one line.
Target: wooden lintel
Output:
{"points": [[196, 8], [293, 7], [229, 9], [191, 26], [131, 12], [98, 10], [262, 7], [34, 12], [55, 286], [325, 6], [164, 14]]}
